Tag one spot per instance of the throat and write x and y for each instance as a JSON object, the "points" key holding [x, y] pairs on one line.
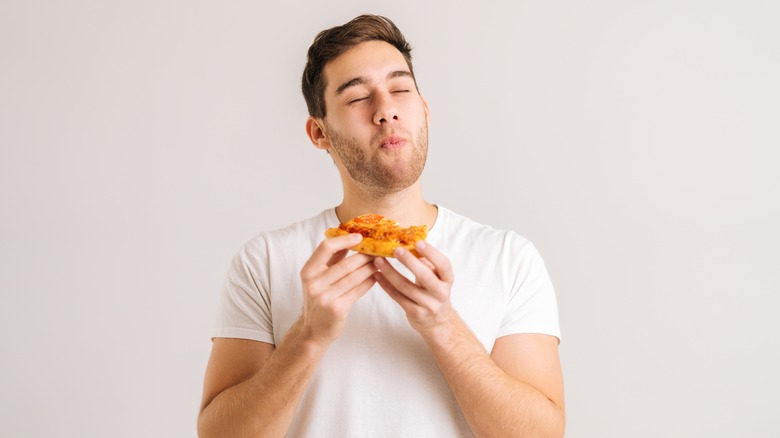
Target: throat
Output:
{"points": [[406, 210]]}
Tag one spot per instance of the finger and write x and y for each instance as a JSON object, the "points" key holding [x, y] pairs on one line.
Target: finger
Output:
{"points": [[358, 291], [401, 283], [394, 293], [327, 249], [441, 263], [337, 257], [345, 267], [352, 280], [423, 275], [428, 263]]}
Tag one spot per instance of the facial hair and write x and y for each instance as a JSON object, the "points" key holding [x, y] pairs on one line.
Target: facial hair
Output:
{"points": [[378, 170]]}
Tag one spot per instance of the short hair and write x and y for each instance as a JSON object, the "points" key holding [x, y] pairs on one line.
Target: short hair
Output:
{"points": [[331, 43]]}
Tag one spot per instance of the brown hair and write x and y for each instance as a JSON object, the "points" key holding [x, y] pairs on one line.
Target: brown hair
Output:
{"points": [[331, 43]]}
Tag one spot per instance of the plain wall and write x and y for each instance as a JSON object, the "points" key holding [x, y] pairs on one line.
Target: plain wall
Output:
{"points": [[635, 143]]}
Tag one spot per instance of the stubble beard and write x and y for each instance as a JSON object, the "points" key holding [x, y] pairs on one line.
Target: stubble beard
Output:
{"points": [[379, 171]]}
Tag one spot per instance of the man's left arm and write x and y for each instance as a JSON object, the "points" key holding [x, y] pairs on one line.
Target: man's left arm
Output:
{"points": [[517, 390]]}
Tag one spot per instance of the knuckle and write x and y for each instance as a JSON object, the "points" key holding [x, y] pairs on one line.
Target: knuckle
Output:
{"points": [[315, 288], [419, 313], [427, 277], [321, 301], [310, 276], [326, 245], [332, 245]]}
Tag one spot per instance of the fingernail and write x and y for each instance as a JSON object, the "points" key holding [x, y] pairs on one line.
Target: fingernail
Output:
{"points": [[357, 237], [398, 252], [379, 261], [420, 244]]}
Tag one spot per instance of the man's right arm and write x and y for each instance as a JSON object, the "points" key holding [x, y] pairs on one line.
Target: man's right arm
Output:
{"points": [[252, 388]]}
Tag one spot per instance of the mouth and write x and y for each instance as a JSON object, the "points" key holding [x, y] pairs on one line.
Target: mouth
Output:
{"points": [[392, 142]]}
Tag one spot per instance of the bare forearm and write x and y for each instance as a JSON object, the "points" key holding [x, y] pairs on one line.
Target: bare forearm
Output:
{"points": [[264, 404], [494, 403]]}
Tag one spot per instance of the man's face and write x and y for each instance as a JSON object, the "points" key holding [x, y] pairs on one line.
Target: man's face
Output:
{"points": [[376, 123]]}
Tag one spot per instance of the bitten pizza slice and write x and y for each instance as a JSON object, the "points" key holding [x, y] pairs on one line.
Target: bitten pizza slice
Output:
{"points": [[380, 235]]}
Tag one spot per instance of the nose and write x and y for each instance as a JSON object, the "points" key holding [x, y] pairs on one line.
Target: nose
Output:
{"points": [[385, 110]]}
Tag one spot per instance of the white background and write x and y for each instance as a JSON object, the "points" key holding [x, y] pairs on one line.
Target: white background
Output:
{"points": [[635, 143]]}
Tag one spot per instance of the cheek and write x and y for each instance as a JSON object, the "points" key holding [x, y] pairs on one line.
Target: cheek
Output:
{"points": [[350, 124], [417, 111]]}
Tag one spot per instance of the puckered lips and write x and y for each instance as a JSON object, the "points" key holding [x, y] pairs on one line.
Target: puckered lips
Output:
{"points": [[392, 142]]}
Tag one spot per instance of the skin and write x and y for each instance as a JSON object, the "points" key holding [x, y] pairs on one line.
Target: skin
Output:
{"points": [[252, 388]]}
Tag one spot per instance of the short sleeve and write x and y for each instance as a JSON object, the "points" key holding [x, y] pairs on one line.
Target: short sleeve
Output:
{"points": [[245, 306], [532, 306]]}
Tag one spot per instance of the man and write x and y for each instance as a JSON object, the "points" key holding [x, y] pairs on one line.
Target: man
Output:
{"points": [[317, 341]]}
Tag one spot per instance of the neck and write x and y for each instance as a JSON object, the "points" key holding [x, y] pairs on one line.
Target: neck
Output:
{"points": [[406, 206]]}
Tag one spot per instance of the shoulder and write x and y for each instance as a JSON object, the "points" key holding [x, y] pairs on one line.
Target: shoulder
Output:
{"points": [[305, 233], [462, 230]]}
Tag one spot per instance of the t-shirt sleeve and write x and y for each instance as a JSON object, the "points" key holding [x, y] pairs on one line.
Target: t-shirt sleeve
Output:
{"points": [[532, 306], [245, 306]]}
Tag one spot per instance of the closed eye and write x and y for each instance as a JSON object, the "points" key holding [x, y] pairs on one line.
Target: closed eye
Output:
{"points": [[401, 91], [357, 100]]}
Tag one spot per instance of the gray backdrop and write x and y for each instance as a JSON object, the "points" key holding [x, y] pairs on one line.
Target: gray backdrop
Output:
{"points": [[634, 142]]}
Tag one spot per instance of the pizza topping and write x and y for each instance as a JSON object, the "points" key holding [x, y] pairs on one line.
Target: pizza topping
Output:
{"points": [[380, 235], [377, 227]]}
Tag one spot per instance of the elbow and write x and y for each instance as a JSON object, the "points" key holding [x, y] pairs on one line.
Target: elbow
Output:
{"points": [[551, 425], [558, 423], [204, 425], [201, 427]]}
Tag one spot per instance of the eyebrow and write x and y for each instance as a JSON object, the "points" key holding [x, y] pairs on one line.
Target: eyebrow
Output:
{"points": [[361, 80]]}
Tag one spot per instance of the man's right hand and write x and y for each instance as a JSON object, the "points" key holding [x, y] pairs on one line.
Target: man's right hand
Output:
{"points": [[332, 282], [252, 388]]}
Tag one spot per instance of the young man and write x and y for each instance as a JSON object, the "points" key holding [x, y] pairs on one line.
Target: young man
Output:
{"points": [[317, 341]]}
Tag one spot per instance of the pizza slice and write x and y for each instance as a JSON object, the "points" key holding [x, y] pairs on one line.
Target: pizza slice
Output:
{"points": [[380, 236]]}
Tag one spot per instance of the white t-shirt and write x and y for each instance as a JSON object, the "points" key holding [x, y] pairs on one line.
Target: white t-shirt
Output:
{"points": [[379, 378]]}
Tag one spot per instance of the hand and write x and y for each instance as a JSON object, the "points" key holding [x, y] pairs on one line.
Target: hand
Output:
{"points": [[427, 300], [331, 284]]}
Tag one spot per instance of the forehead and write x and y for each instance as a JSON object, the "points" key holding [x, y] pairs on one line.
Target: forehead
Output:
{"points": [[371, 60]]}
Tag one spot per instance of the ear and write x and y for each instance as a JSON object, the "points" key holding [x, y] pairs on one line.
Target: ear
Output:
{"points": [[427, 112], [316, 133]]}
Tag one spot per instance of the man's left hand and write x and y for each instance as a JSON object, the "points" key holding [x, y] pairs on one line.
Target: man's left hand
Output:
{"points": [[426, 301]]}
